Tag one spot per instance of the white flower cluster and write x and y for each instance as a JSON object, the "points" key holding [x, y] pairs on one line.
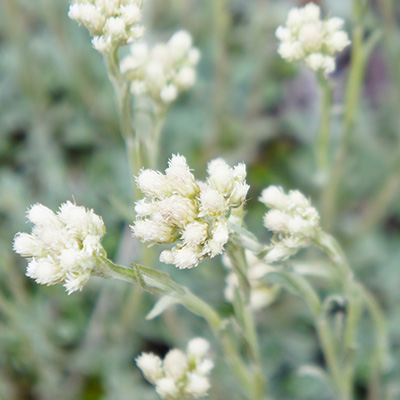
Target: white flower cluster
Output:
{"points": [[179, 208], [112, 23], [163, 71], [306, 37], [292, 219], [179, 376], [63, 246], [262, 294]]}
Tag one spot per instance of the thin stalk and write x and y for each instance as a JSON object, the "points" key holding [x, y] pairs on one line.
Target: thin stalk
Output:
{"points": [[245, 317], [324, 132], [154, 143], [155, 282], [356, 75]]}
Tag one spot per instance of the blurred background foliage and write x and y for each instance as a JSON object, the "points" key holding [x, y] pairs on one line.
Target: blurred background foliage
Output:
{"points": [[60, 138]]}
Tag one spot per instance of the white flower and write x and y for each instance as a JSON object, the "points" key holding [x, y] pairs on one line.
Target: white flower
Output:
{"points": [[169, 93], [194, 214], [179, 375], [175, 364], [306, 36], [63, 247], [198, 348], [153, 231], [292, 219], [167, 388], [165, 70], [151, 366], [274, 197], [111, 23], [197, 385]]}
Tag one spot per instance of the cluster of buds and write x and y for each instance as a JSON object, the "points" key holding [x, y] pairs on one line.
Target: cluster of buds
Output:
{"points": [[179, 376], [112, 23], [194, 213], [262, 294], [62, 247], [292, 219], [306, 37], [162, 72]]}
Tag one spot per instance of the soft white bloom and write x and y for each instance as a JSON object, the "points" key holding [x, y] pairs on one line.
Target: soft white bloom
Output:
{"points": [[306, 36], [197, 385], [175, 364], [153, 231], [292, 219], [153, 183], [274, 197], [179, 375], [167, 388], [198, 348], [164, 70], [192, 213], [111, 23], [63, 247], [169, 93]]}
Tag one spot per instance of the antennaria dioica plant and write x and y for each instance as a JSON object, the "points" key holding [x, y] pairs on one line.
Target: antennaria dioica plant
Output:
{"points": [[196, 220]]}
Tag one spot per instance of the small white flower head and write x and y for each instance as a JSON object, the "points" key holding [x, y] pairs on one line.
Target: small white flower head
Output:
{"points": [[175, 364], [179, 375], [292, 219], [197, 385], [63, 247], [165, 70], [111, 23], [306, 36], [177, 208], [167, 388], [198, 348], [169, 93]]}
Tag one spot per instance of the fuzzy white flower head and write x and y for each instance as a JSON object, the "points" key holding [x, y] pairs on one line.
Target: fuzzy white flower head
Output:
{"points": [[63, 247], [292, 219], [197, 385], [307, 37], [151, 366], [179, 375], [167, 69], [111, 23], [198, 348], [195, 214]]}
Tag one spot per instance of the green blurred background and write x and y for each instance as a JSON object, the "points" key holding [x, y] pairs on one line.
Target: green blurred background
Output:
{"points": [[59, 137]]}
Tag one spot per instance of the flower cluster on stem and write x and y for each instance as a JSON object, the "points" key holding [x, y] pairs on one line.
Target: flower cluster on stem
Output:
{"points": [[305, 36], [179, 376], [63, 246], [112, 23], [292, 219], [163, 71], [177, 208]]}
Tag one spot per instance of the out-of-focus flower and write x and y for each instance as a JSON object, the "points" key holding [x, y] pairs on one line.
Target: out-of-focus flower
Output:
{"points": [[262, 294], [163, 71], [63, 247], [179, 208], [112, 23], [292, 219], [179, 375], [306, 37]]}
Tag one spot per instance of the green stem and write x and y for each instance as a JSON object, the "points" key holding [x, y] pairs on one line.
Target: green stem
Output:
{"points": [[154, 143], [323, 138], [155, 282], [356, 75], [245, 317]]}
